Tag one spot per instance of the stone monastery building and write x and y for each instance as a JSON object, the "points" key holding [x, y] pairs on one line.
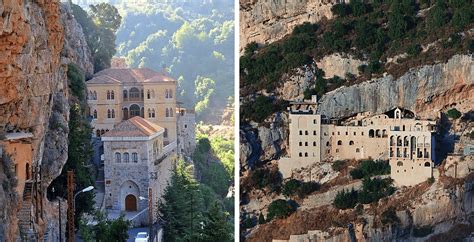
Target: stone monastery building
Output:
{"points": [[136, 161], [142, 131], [407, 143]]}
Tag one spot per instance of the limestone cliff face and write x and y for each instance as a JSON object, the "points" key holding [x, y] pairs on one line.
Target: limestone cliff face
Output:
{"points": [[425, 90], [266, 21], [34, 92]]}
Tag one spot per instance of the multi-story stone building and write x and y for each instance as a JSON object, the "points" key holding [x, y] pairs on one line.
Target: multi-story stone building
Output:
{"points": [[117, 94], [136, 161], [407, 143]]}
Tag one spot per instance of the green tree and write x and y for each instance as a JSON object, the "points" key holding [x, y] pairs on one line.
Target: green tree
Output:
{"points": [[397, 24], [106, 16], [346, 199], [216, 225], [280, 209], [453, 113], [105, 229], [181, 207], [99, 26], [437, 17], [79, 145]]}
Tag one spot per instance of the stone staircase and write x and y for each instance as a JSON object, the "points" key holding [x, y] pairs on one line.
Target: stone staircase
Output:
{"points": [[24, 216]]}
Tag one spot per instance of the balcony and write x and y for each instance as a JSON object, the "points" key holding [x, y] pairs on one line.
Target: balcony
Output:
{"points": [[165, 153]]}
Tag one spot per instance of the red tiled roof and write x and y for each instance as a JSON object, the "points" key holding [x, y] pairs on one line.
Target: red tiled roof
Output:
{"points": [[128, 75], [134, 127]]}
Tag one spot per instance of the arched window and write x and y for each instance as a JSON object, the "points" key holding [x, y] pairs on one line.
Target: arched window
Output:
{"points": [[126, 157], [125, 94], [339, 142], [301, 154], [148, 94], [152, 112], [314, 143], [102, 132], [357, 150], [301, 143], [112, 95], [305, 143], [305, 154], [301, 132], [351, 142], [392, 140], [113, 113], [167, 114], [97, 133], [165, 134], [399, 163], [149, 113], [384, 133], [314, 132], [171, 112], [94, 114], [306, 132], [327, 143], [109, 113], [134, 110], [118, 157], [134, 157], [427, 164], [108, 95], [134, 94], [371, 133], [378, 133], [166, 93]]}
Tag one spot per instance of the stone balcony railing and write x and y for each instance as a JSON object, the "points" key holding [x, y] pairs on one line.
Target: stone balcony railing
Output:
{"points": [[166, 151]]}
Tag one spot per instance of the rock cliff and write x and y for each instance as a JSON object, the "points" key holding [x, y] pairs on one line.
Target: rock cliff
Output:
{"points": [[266, 21], [425, 90], [37, 41]]}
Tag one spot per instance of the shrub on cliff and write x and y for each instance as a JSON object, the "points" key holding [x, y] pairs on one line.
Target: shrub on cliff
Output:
{"points": [[453, 113], [280, 209], [299, 188], [346, 199], [368, 168]]}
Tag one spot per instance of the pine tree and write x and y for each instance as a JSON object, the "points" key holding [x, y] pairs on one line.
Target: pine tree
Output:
{"points": [[181, 207], [217, 226]]}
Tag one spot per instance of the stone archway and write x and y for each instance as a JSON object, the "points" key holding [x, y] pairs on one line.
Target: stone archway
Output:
{"points": [[129, 193], [130, 203]]}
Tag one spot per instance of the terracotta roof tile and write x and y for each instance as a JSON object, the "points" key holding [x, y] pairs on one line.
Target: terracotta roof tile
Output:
{"points": [[128, 75], [134, 127]]}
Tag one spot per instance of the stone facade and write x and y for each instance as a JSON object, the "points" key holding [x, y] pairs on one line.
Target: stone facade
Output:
{"points": [[135, 161], [407, 143], [118, 94], [186, 131]]}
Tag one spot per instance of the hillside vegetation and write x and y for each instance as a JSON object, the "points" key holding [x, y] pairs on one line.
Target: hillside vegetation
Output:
{"points": [[193, 41], [374, 31]]}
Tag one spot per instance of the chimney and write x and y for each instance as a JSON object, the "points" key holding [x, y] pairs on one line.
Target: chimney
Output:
{"points": [[164, 70]]}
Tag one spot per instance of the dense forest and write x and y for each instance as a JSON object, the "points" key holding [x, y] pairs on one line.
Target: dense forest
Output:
{"points": [[421, 32], [194, 41]]}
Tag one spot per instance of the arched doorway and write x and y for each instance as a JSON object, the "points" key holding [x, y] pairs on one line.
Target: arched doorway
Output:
{"points": [[130, 203], [134, 110]]}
